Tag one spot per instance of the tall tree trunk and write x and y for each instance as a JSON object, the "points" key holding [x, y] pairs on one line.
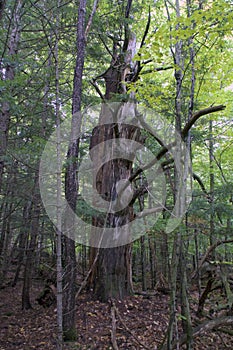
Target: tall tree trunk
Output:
{"points": [[59, 187], [211, 175], [177, 265], [143, 262], [152, 258], [177, 55], [71, 183], [6, 232], [8, 73], [185, 308], [30, 253], [19, 251]]}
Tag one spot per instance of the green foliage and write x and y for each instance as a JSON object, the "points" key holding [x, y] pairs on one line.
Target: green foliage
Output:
{"points": [[32, 93]]}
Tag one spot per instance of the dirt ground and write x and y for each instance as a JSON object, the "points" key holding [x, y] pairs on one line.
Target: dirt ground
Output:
{"points": [[141, 323]]}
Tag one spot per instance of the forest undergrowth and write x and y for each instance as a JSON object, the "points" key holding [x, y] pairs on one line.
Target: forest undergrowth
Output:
{"points": [[138, 322]]}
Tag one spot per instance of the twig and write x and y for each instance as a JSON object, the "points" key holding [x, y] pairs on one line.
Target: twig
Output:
{"points": [[113, 330], [93, 83], [158, 69]]}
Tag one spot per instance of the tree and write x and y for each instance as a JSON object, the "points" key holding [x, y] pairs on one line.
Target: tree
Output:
{"points": [[179, 35], [8, 73], [2, 6], [71, 184], [52, 64], [111, 267]]}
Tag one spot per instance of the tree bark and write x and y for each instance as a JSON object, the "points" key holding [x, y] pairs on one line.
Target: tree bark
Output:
{"points": [[22, 240], [6, 231], [71, 183], [177, 53], [59, 268], [2, 6], [8, 74], [111, 275], [30, 253], [212, 184], [111, 267]]}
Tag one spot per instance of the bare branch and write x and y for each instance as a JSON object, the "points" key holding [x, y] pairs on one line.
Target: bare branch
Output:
{"points": [[128, 7], [149, 211], [93, 83], [198, 179], [146, 30], [158, 69], [197, 115], [90, 19], [127, 34], [138, 64], [147, 127], [207, 327], [106, 47], [184, 133], [209, 250]]}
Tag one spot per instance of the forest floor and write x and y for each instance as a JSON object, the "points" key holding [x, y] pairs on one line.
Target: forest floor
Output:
{"points": [[141, 323]]}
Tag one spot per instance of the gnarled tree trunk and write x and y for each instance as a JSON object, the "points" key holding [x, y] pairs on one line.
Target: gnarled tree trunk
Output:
{"points": [[111, 267]]}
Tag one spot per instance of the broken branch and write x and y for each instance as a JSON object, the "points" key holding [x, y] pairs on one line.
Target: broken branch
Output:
{"points": [[207, 327], [209, 250]]}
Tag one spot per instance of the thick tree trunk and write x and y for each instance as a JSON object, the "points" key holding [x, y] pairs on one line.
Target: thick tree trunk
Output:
{"points": [[111, 267], [111, 275]]}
